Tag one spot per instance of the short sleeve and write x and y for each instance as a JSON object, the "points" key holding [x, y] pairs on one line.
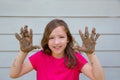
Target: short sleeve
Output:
{"points": [[81, 61], [34, 59]]}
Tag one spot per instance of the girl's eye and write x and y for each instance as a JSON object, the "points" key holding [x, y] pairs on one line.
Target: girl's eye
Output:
{"points": [[51, 38], [62, 37]]}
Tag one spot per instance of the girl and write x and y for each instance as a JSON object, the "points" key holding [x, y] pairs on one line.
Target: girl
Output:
{"points": [[58, 58]]}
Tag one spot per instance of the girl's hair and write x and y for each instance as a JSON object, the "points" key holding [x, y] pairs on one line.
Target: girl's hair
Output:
{"points": [[70, 58]]}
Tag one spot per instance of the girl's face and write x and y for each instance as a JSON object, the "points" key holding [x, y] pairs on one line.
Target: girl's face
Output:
{"points": [[58, 41]]}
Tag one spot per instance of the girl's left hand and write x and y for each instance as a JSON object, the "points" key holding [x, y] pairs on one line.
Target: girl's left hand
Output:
{"points": [[88, 41]]}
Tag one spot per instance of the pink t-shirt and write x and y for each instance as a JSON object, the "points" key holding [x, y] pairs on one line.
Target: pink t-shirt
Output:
{"points": [[51, 68]]}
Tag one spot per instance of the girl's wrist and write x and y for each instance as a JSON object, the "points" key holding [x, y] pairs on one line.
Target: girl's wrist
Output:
{"points": [[22, 53], [91, 56]]}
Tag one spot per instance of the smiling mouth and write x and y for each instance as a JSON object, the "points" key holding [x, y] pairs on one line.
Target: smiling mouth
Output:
{"points": [[57, 47]]}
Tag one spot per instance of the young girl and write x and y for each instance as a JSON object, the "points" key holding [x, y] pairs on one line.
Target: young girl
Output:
{"points": [[58, 58]]}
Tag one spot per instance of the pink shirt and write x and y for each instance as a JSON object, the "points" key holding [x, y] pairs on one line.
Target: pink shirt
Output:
{"points": [[51, 68]]}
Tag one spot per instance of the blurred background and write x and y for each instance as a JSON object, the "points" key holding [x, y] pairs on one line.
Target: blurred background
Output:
{"points": [[104, 15]]}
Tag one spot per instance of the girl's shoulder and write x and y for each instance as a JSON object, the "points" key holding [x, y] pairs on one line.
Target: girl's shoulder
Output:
{"points": [[39, 53], [79, 56]]}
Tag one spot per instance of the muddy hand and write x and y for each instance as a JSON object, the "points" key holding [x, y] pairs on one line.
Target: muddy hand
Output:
{"points": [[88, 41], [25, 39]]}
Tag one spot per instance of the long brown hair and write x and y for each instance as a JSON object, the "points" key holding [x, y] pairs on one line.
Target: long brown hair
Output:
{"points": [[70, 58]]}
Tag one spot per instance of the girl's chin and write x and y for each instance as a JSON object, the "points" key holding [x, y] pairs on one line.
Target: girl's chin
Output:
{"points": [[57, 53]]}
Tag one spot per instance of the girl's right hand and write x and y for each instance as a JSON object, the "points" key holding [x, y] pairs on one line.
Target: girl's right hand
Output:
{"points": [[25, 40]]}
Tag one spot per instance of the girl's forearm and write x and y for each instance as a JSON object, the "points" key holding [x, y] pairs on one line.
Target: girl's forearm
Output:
{"points": [[16, 67], [97, 69]]}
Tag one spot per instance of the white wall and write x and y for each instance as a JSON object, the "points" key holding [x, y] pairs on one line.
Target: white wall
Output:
{"points": [[102, 14]]}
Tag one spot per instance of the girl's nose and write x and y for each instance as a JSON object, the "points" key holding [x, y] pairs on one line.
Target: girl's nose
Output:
{"points": [[57, 41]]}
